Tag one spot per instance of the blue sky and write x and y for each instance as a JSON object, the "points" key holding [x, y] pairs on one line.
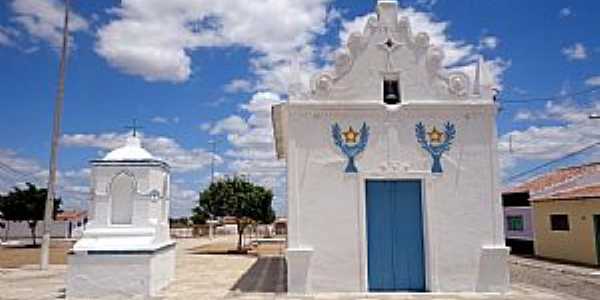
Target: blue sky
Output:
{"points": [[194, 71]]}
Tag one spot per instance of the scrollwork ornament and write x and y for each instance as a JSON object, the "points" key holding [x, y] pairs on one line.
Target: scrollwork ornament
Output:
{"points": [[435, 57], [322, 84], [422, 40], [343, 64], [458, 84]]}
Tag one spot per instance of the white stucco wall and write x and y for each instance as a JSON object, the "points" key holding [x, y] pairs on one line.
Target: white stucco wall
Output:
{"points": [[326, 214], [125, 260]]}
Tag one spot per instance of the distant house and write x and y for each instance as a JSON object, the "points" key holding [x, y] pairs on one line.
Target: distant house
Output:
{"points": [[554, 214], [518, 223], [73, 222], [280, 226], [567, 225]]}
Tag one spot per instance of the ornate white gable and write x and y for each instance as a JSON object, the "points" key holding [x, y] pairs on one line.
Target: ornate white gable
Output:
{"points": [[387, 49]]}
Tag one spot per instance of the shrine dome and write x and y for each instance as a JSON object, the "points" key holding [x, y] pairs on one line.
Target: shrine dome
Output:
{"points": [[132, 151]]}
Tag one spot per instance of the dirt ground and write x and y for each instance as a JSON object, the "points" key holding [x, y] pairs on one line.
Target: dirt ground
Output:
{"points": [[239, 277], [226, 247], [16, 257]]}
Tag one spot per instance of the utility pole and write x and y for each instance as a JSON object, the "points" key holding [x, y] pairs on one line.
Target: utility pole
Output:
{"points": [[213, 143], [58, 109]]}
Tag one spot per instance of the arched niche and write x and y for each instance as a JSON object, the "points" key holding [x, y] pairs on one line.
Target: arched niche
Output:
{"points": [[122, 192]]}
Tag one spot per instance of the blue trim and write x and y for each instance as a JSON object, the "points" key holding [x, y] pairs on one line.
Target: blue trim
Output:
{"points": [[436, 151], [351, 151]]}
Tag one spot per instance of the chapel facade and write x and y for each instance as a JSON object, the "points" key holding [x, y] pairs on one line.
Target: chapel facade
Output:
{"points": [[392, 170]]}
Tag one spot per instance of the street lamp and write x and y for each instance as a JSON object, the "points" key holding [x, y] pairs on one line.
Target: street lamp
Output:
{"points": [[594, 117]]}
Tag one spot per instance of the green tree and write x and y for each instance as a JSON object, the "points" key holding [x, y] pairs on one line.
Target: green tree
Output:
{"points": [[235, 197], [26, 205]]}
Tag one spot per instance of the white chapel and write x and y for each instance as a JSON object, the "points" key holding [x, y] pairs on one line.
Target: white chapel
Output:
{"points": [[126, 249], [392, 170]]}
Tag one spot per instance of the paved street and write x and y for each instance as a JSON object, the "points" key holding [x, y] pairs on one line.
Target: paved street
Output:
{"points": [[576, 281], [251, 278]]}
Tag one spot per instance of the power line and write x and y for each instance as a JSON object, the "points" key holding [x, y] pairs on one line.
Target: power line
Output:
{"points": [[549, 98], [567, 156], [16, 174]]}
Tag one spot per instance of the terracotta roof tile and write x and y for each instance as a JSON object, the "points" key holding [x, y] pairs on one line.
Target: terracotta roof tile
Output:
{"points": [[70, 215], [573, 194], [554, 178]]}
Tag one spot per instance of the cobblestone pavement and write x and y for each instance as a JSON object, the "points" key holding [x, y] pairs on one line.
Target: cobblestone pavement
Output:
{"points": [[235, 277], [583, 282], [32, 284]]}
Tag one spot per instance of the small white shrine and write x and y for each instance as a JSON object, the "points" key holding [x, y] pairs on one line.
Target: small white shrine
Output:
{"points": [[126, 250], [393, 176]]}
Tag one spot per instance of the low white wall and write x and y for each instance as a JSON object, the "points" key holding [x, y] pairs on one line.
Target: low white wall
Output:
{"points": [[20, 230]]}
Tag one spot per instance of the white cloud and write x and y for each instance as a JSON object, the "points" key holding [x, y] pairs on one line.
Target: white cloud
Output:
{"points": [[565, 111], [160, 120], [164, 120], [205, 126], [593, 81], [253, 149], [565, 12], [16, 170], [569, 130], [180, 159], [153, 38], [427, 3], [524, 115], [232, 124], [7, 36], [239, 85], [44, 19], [575, 52], [489, 42], [182, 200]]}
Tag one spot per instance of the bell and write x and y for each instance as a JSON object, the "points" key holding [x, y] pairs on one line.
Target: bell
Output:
{"points": [[391, 98]]}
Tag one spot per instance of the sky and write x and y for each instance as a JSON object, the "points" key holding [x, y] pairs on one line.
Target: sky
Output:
{"points": [[195, 71]]}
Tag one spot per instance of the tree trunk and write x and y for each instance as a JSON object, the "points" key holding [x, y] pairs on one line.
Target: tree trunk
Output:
{"points": [[240, 233], [32, 226], [7, 230]]}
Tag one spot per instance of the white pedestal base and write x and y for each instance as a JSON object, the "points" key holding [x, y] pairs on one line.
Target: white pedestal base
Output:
{"points": [[298, 262], [120, 274], [493, 270]]}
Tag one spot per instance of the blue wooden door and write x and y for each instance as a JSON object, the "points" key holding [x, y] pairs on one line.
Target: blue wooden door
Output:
{"points": [[395, 236]]}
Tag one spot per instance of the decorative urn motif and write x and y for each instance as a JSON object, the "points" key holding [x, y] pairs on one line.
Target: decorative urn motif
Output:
{"points": [[351, 143], [436, 142]]}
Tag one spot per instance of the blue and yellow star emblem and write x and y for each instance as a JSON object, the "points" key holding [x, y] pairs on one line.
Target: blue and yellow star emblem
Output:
{"points": [[350, 135], [435, 136]]}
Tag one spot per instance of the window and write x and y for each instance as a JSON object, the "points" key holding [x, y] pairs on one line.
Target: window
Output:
{"points": [[514, 223], [559, 222], [391, 92]]}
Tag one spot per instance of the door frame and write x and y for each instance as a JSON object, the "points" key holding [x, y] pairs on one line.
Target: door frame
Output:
{"points": [[596, 221], [362, 217]]}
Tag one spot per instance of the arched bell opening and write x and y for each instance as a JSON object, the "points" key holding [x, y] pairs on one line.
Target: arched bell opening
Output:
{"points": [[391, 91]]}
